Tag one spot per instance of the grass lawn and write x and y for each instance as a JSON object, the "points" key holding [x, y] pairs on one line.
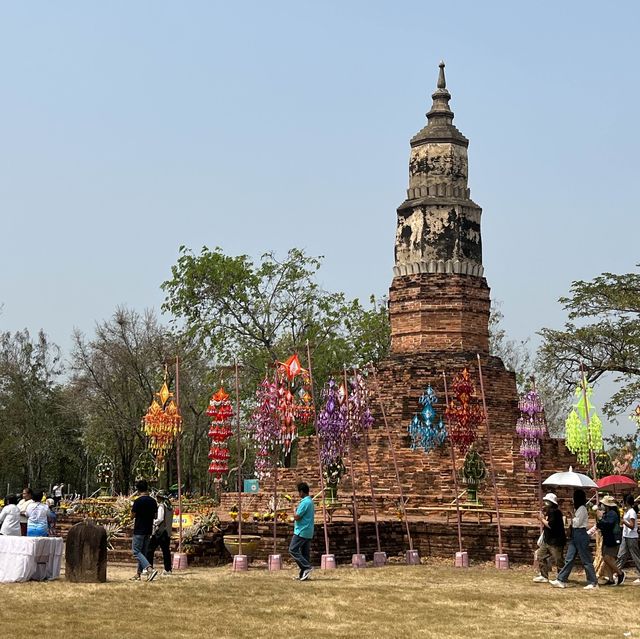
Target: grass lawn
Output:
{"points": [[432, 600]]}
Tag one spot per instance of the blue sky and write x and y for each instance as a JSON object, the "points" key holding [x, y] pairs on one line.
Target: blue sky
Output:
{"points": [[130, 128]]}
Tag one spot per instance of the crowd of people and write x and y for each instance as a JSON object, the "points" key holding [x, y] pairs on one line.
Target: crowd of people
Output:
{"points": [[32, 515], [616, 535]]}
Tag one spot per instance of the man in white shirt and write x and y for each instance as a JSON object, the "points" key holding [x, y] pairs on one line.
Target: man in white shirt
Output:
{"points": [[629, 544], [10, 517], [57, 494]]}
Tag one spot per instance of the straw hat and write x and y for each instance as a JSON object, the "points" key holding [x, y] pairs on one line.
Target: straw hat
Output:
{"points": [[551, 498], [608, 500]]}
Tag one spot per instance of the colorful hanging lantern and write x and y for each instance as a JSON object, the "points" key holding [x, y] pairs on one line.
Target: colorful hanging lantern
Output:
{"points": [[221, 412], [580, 438], [531, 427], [359, 413], [161, 424], [463, 414], [332, 426], [264, 426], [424, 430]]}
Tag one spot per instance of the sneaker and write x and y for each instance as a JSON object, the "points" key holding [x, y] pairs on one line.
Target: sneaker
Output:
{"points": [[166, 573], [621, 578], [637, 582], [540, 580], [591, 587], [614, 580], [305, 574], [136, 577], [151, 574], [556, 583]]}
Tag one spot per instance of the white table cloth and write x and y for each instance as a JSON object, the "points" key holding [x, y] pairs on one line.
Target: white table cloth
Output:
{"points": [[25, 558]]}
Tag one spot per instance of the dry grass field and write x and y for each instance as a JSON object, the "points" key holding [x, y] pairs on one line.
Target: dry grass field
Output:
{"points": [[432, 600]]}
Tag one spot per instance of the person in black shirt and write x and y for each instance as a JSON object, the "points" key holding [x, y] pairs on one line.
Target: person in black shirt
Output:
{"points": [[553, 538], [144, 510]]}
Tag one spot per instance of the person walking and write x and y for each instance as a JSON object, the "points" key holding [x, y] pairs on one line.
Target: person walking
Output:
{"points": [[578, 545], [553, 540], [629, 544], [161, 536], [300, 545], [10, 517], [609, 525], [144, 510]]}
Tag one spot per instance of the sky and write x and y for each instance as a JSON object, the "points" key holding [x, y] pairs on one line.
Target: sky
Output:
{"points": [[129, 128]]}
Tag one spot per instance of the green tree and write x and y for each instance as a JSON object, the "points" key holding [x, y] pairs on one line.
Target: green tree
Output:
{"points": [[516, 356], [260, 313], [114, 377], [603, 334], [39, 427]]}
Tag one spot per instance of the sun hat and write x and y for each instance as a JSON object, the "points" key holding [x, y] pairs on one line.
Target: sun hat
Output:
{"points": [[608, 500], [551, 497]]}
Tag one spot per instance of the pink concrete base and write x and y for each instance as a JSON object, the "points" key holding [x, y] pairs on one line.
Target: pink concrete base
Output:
{"points": [[240, 563], [412, 558], [502, 562], [328, 562], [358, 561], [379, 559], [462, 560], [275, 562], [179, 561]]}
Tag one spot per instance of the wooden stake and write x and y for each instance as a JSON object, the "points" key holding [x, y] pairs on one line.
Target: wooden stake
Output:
{"points": [[239, 457], [393, 456], [315, 420], [455, 473], [493, 471], [178, 462], [351, 460]]}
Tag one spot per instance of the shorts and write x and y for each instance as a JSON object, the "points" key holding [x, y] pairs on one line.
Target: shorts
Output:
{"points": [[610, 551]]}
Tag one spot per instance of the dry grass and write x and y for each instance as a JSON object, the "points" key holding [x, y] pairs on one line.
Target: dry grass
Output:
{"points": [[433, 600]]}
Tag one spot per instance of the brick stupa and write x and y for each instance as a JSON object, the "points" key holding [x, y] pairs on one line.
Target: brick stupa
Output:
{"points": [[439, 310]]}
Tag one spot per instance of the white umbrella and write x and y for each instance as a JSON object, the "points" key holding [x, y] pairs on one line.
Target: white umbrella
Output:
{"points": [[570, 478]]}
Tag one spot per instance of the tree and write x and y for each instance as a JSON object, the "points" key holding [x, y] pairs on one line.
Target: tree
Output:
{"points": [[259, 313], [602, 334], [114, 377], [517, 357], [38, 425]]}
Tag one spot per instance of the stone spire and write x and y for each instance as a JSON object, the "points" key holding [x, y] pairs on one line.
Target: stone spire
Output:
{"points": [[440, 118]]}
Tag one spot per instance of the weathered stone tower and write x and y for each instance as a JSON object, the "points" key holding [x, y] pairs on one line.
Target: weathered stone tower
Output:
{"points": [[439, 299], [439, 311]]}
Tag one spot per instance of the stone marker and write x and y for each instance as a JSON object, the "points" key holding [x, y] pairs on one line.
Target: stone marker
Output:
{"points": [[86, 553]]}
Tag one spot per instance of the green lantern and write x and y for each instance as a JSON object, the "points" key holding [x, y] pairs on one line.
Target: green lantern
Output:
{"points": [[473, 472]]}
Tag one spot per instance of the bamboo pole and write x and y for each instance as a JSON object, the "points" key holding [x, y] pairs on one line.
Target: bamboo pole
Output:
{"points": [[539, 473], [352, 462], [455, 472], [178, 461], [493, 471], [239, 457], [393, 456], [315, 419], [366, 455], [592, 457]]}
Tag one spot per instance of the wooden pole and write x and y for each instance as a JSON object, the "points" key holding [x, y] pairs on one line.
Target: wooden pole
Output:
{"points": [[178, 461], [393, 456], [493, 471], [455, 472], [352, 462], [315, 419], [275, 499], [366, 455], [592, 457], [239, 446], [539, 473]]}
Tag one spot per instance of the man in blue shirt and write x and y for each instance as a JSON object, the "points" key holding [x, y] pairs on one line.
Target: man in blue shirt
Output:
{"points": [[302, 532]]}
